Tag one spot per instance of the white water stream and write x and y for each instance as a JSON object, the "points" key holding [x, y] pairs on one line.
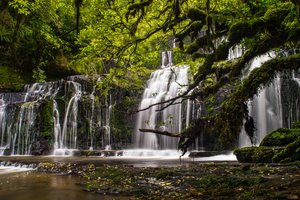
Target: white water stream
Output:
{"points": [[20, 116], [163, 84], [265, 107]]}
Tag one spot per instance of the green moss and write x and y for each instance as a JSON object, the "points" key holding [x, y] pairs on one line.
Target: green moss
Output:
{"points": [[47, 119], [290, 154], [238, 31], [165, 174], [296, 124], [115, 174], [192, 48], [271, 21], [276, 13], [223, 185], [196, 14], [196, 26], [281, 137], [209, 81], [222, 51], [11, 79], [121, 121], [256, 154], [197, 55]]}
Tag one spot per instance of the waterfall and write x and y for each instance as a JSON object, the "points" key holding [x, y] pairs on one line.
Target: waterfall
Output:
{"points": [[53, 117], [91, 123], [266, 106], [18, 123], [164, 84], [25, 135], [107, 132], [58, 142], [235, 52], [291, 99], [2, 125], [68, 136]]}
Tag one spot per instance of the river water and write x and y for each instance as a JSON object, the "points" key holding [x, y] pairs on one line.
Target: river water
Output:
{"points": [[32, 185], [18, 183]]}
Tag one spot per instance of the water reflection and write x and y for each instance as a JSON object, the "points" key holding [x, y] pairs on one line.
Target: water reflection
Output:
{"points": [[38, 186]]}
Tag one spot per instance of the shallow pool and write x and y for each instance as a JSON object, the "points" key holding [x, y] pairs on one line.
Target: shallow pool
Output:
{"points": [[31, 185]]}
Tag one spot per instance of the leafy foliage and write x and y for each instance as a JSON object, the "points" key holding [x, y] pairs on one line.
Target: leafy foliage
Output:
{"points": [[32, 33]]}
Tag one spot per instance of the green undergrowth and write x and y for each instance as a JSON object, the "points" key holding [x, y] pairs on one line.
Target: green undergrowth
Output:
{"points": [[11, 79]]}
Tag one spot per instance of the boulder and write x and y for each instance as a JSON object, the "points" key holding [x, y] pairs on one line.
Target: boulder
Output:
{"points": [[281, 137], [257, 154]]}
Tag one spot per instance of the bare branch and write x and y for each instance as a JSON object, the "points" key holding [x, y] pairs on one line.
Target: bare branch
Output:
{"points": [[181, 85], [169, 101], [161, 132], [170, 104], [163, 27]]}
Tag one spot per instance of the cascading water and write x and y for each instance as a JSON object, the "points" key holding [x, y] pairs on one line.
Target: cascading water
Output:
{"points": [[25, 135], [58, 142], [107, 132], [164, 84], [18, 123], [2, 126], [291, 99], [52, 116], [91, 130], [265, 108], [68, 137]]}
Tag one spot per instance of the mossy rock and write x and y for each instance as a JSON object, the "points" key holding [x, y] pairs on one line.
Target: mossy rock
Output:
{"points": [[281, 137], [47, 119], [290, 154], [257, 154], [44, 140]]}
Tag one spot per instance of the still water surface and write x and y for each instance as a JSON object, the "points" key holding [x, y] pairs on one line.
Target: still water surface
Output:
{"points": [[33, 185]]}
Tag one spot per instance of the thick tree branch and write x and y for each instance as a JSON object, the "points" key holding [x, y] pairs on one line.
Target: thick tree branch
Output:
{"points": [[161, 132]]}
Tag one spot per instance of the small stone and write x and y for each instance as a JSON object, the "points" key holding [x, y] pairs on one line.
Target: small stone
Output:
{"points": [[292, 196]]}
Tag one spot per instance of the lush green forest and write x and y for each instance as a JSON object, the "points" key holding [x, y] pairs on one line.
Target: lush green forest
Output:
{"points": [[122, 41]]}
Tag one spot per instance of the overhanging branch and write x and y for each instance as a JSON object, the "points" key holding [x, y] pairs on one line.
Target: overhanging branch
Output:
{"points": [[161, 132]]}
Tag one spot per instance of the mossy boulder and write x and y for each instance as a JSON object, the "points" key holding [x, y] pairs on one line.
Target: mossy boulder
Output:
{"points": [[282, 145], [281, 137], [44, 140], [257, 154], [290, 154], [47, 119]]}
